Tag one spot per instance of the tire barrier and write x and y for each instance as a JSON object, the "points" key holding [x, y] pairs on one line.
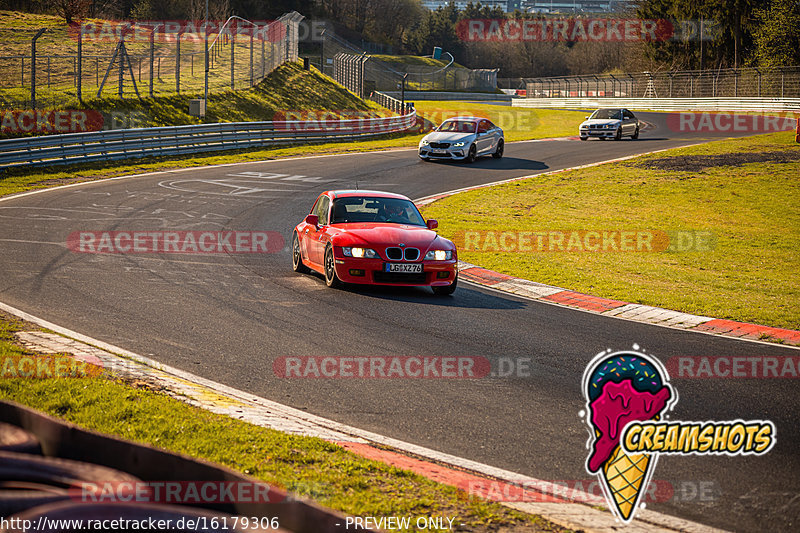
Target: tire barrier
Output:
{"points": [[74, 457], [14, 439], [29, 480]]}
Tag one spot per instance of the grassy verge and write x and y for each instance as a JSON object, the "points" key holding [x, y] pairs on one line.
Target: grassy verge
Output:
{"points": [[521, 124], [307, 466], [749, 206]]}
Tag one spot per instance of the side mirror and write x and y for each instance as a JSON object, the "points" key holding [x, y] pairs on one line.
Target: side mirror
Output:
{"points": [[586, 117], [432, 223], [312, 220]]}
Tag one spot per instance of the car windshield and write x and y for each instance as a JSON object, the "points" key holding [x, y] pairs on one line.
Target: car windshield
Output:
{"points": [[460, 126], [372, 209], [615, 114]]}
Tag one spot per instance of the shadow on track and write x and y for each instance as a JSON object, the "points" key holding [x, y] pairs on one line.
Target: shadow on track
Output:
{"points": [[464, 297], [506, 163]]}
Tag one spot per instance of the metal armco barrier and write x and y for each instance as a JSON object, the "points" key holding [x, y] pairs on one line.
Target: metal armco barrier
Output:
{"points": [[666, 104], [67, 441], [177, 140]]}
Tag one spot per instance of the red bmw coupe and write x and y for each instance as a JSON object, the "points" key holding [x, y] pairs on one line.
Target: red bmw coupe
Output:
{"points": [[373, 238]]}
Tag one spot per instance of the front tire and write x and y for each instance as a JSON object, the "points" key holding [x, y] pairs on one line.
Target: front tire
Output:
{"points": [[297, 257], [447, 289], [498, 153], [584, 138], [635, 133], [618, 136], [331, 279], [472, 154]]}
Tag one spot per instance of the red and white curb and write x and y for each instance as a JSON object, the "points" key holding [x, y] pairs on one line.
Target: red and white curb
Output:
{"points": [[579, 513], [619, 309]]}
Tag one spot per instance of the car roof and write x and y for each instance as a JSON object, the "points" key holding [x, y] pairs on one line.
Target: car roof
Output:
{"points": [[350, 193], [465, 118]]}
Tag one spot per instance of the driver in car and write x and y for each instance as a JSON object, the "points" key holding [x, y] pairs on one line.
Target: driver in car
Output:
{"points": [[394, 212]]}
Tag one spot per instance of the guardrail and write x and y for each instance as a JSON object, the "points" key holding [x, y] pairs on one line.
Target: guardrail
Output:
{"points": [[666, 104], [179, 140], [458, 96], [392, 104]]}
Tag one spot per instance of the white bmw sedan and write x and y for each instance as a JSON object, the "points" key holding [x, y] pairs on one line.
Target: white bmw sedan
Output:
{"points": [[462, 139], [610, 124]]}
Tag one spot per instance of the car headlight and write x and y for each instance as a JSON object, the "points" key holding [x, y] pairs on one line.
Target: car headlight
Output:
{"points": [[459, 143], [424, 142], [439, 255], [611, 126], [359, 252]]}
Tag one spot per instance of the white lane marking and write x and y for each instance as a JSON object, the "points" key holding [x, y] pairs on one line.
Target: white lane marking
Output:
{"points": [[260, 411], [25, 241]]}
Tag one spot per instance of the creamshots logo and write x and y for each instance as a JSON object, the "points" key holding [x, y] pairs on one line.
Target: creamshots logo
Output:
{"points": [[628, 400]]}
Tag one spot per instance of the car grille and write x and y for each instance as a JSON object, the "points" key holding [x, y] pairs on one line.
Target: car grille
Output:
{"points": [[440, 145], [399, 277], [398, 254]]}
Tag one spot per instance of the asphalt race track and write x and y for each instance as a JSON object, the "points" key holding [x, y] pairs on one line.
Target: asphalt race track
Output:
{"points": [[227, 317]]}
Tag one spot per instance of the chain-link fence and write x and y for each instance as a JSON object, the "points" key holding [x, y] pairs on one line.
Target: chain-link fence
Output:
{"points": [[362, 73], [67, 64], [743, 82]]}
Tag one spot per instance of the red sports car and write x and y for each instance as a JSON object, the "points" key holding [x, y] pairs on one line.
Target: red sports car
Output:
{"points": [[373, 238]]}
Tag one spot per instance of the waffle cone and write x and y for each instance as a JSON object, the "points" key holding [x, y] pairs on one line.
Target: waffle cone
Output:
{"points": [[624, 475]]}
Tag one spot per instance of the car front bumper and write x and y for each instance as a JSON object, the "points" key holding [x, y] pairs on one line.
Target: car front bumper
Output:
{"points": [[455, 154], [365, 271], [598, 132]]}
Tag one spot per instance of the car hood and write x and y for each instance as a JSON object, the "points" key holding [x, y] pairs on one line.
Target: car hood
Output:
{"points": [[381, 235], [600, 121], [448, 136]]}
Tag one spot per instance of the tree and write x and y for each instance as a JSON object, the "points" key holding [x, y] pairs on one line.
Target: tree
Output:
{"points": [[777, 37], [71, 9]]}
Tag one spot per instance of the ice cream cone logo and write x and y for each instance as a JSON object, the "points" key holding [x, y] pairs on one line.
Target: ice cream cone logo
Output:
{"points": [[621, 388]]}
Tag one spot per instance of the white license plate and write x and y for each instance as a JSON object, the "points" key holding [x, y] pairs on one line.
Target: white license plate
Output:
{"points": [[411, 268]]}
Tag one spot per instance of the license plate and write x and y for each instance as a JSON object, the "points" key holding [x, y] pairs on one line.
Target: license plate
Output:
{"points": [[438, 152], [410, 268]]}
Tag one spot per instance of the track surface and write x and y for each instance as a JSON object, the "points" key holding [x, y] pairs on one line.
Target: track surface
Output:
{"points": [[228, 317]]}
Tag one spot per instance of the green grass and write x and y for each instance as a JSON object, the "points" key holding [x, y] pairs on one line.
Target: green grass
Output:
{"points": [[405, 61], [752, 210], [308, 466]]}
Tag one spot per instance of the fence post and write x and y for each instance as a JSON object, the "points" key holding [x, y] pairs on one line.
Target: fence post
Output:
{"points": [[758, 72], [80, 64], [152, 58], [33, 66], [121, 71], [178, 64], [251, 59], [233, 62]]}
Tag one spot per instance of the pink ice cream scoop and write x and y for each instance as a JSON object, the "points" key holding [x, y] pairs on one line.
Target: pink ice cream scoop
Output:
{"points": [[617, 405]]}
